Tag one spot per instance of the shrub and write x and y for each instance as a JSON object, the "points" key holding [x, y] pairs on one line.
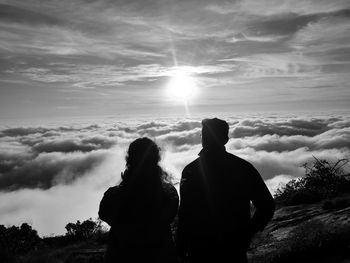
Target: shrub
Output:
{"points": [[84, 230], [15, 241], [323, 179]]}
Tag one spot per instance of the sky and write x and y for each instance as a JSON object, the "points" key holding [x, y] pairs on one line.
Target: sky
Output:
{"points": [[83, 58], [80, 80]]}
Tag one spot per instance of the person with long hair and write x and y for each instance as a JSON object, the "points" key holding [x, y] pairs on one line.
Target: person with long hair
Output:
{"points": [[140, 209]]}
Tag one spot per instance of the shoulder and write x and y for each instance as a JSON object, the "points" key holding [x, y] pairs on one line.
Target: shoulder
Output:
{"points": [[112, 191], [239, 161], [245, 167], [191, 166], [190, 173]]}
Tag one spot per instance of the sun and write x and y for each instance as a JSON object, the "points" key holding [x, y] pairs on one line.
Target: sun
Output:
{"points": [[182, 85]]}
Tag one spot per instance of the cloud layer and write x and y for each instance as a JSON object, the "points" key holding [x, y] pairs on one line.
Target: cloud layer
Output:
{"points": [[65, 169]]}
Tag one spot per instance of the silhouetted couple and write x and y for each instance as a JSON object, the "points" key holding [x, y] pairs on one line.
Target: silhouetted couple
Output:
{"points": [[214, 218]]}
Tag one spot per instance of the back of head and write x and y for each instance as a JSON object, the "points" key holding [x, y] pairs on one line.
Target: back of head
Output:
{"points": [[214, 133], [142, 165], [142, 153]]}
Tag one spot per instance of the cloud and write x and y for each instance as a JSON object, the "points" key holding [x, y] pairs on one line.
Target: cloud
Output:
{"points": [[123, 50], [21, 131], [65, 164], [38, 157], [49, 169], [241, 37], [310, 127], [46, 156], [45, 131], [49, 210], [95, 75], [268, 7], [155, 129], [270, 164], [72, 145], [323, 35], [14, 14], [183, 138]]}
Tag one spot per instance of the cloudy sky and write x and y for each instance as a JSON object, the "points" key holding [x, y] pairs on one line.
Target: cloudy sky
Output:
{"points": [[107, 57], [79, 80]]}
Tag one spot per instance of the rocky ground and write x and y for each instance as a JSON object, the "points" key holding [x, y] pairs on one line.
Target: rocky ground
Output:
{"points": [[304, 233]]}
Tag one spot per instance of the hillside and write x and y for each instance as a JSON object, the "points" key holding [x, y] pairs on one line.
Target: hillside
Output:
{"points": [[305, 233], [301, 233]]}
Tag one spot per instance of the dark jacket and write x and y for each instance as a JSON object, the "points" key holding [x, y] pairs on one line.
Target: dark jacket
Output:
{"points": [[140, 223], [214, 215]]}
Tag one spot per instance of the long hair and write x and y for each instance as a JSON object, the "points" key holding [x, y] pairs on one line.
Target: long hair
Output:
{"points": [[142, 163]]}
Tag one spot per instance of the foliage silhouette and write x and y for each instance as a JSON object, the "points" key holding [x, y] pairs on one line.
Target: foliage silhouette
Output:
{"points": [[323, 179], [16, 241], [84, 230]]}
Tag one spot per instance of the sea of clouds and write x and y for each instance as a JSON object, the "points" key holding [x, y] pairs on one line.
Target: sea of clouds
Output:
{"points": [[54, 174]]}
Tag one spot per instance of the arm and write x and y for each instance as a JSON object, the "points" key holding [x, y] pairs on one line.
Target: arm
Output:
{"points": [[170, 208], [262, 200], [107, 208], [181, 239]]}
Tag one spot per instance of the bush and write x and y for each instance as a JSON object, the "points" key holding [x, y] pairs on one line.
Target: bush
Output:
{"points": [[15, 241], [84, 230], [323, 179]]}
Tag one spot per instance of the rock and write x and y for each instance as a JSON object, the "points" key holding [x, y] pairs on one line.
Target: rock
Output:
{"points": [[308, 224]]}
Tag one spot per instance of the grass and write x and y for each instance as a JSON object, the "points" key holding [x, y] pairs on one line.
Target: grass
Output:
{"points": [[64, 254]]}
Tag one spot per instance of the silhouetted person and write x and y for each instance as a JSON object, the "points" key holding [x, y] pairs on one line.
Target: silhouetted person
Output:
{"points": [[215, 223], [140, 209]]}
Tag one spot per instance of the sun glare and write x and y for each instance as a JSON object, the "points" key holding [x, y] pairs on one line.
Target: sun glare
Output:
{"points": [[182, 85]]}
